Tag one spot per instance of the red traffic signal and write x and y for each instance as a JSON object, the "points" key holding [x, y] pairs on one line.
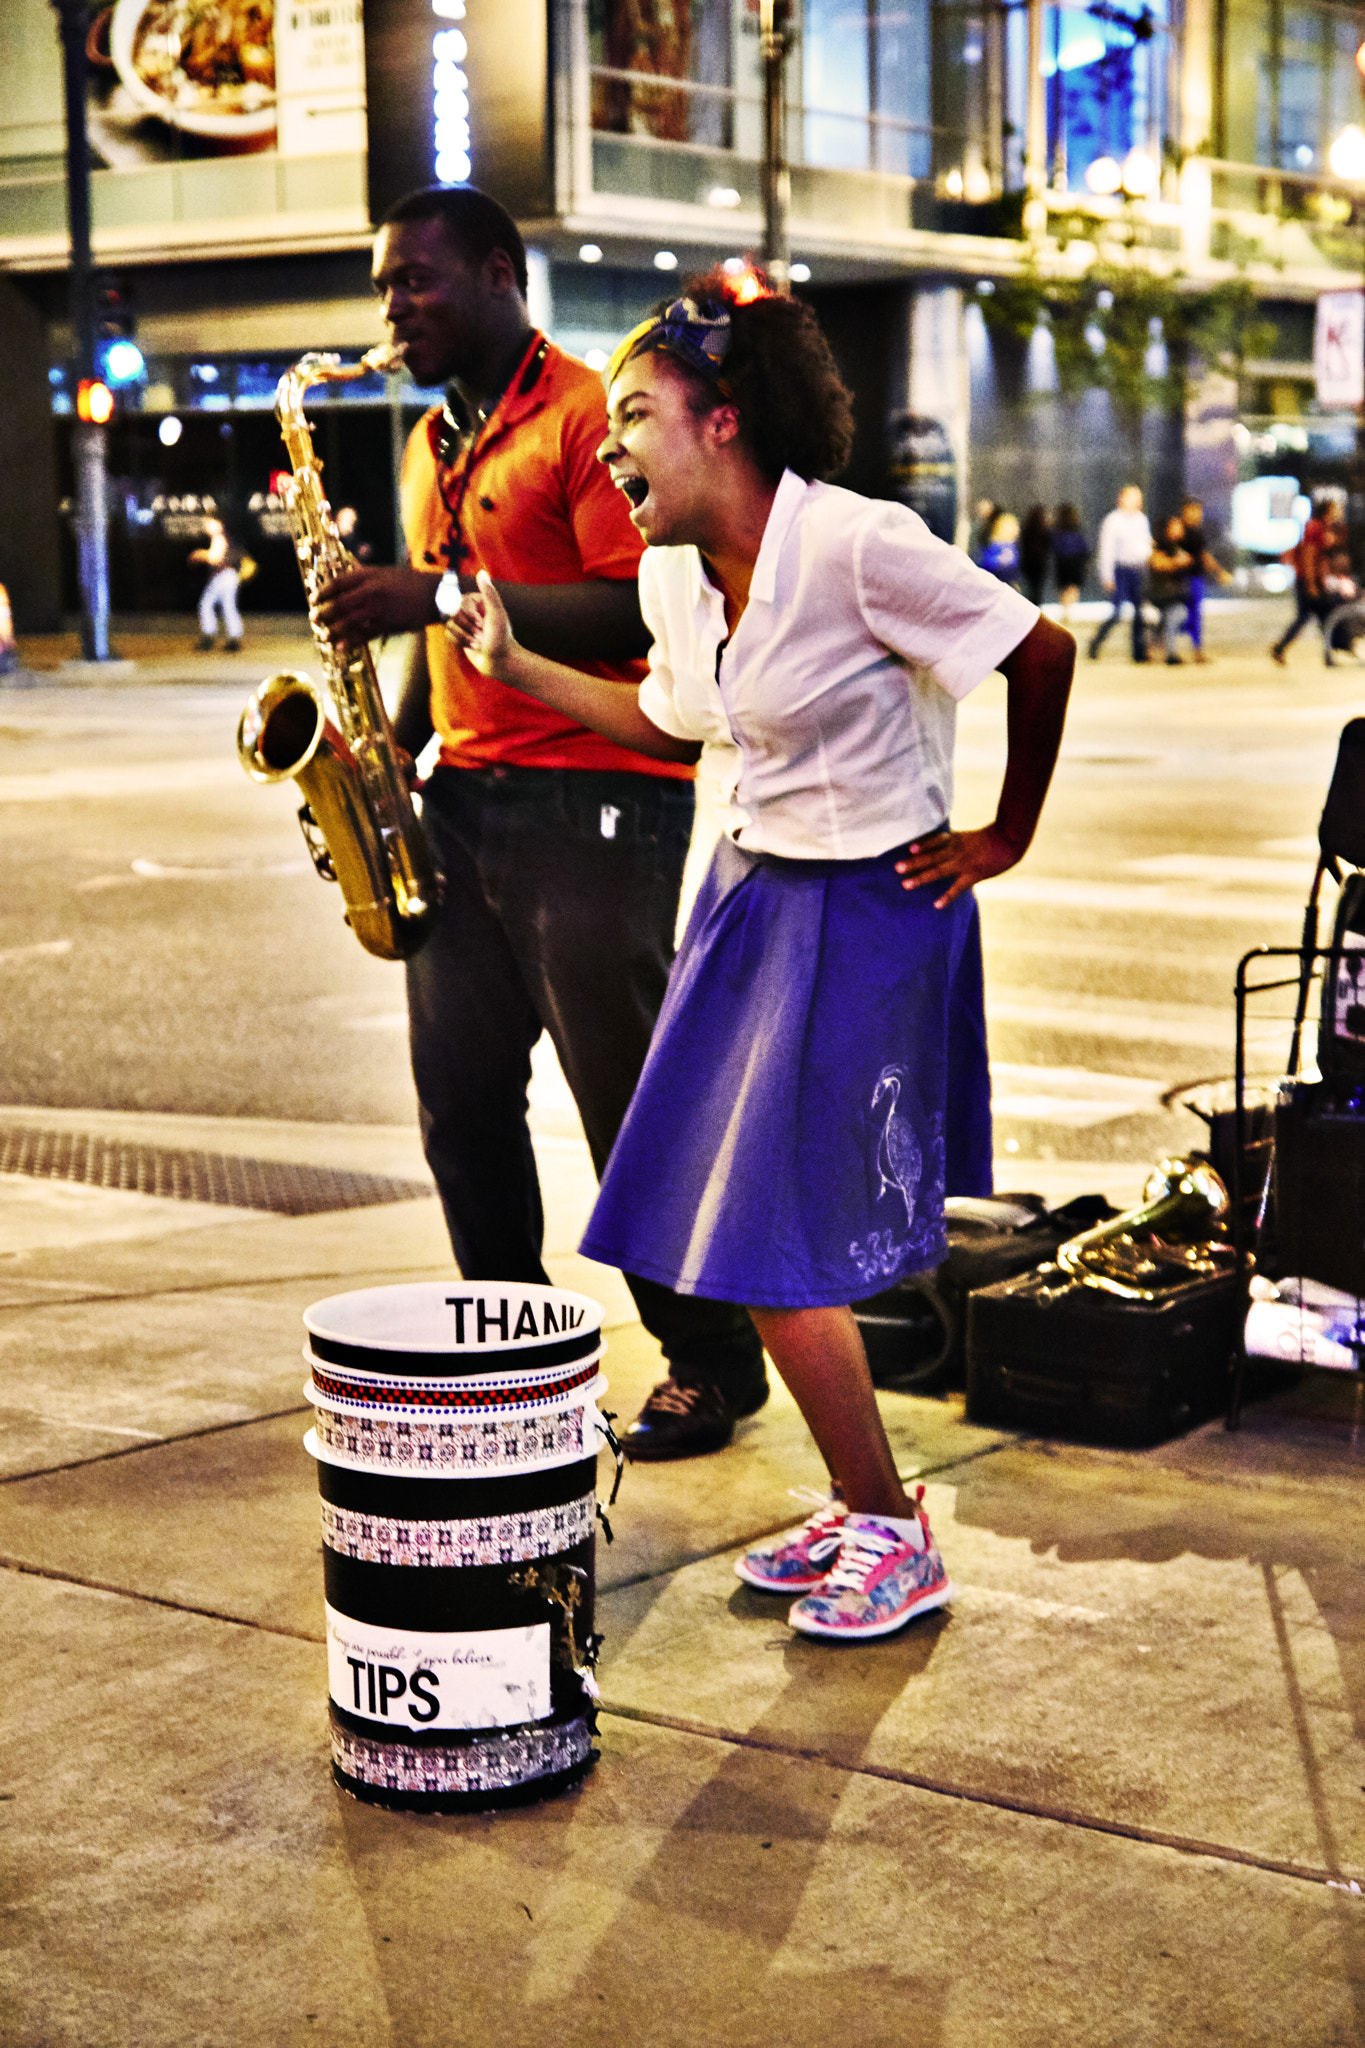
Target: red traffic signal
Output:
{"points": [[94, 401]]}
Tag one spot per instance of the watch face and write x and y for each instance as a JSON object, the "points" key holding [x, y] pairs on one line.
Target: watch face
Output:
{"points": [[448, 595]]}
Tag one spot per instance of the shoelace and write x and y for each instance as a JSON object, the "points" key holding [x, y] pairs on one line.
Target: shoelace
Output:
{"points": [[671, 1398], [863, 1550]]}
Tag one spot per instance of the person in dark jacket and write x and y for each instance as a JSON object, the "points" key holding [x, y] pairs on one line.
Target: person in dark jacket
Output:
{"points": [[1035, 552], [1071, 553], [1168, 582]]}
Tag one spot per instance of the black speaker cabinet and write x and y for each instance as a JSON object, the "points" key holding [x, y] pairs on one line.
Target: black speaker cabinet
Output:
{"points": [[1319, 1211]]}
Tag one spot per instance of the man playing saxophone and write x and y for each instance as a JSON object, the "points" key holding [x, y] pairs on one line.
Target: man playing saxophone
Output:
{"points": [[563, 852]]}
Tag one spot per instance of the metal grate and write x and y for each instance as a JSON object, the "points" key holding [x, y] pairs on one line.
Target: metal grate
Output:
{"points": [[219, 1177]]}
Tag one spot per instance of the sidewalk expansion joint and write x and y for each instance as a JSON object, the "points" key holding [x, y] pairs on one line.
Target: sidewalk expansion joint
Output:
{"points": [[263, 1628], [1004, 1802], [156, 1443]]}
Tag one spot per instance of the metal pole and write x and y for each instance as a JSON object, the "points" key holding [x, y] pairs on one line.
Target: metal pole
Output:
{"points": [[1035, 130], [775, 41], [92, 511]]}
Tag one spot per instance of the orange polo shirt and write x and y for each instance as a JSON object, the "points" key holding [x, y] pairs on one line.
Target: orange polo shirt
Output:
{"points": [[534, 505]]}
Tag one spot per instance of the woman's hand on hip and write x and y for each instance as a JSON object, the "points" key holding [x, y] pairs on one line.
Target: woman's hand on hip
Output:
{"points": [[960, 858]]}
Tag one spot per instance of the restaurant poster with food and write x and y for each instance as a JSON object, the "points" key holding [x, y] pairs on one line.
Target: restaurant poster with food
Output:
{"points": [[170, 79]]}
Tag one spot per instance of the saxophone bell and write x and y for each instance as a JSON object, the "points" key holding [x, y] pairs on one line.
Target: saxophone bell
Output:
{"points": [[284, 735]]}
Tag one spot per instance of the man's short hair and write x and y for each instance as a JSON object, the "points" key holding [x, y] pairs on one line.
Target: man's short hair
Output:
{"points": [[472, 221]]}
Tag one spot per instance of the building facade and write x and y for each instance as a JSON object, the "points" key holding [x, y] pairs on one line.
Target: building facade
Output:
{"points": [[941, 152]]}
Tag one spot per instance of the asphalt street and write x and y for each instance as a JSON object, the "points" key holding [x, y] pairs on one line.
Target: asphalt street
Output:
{"points": [[165, 944]]}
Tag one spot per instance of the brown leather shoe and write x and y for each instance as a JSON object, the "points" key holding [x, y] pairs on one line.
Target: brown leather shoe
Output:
{"points": [[680, 1421]]}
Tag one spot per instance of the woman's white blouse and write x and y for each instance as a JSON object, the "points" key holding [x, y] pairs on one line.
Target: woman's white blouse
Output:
{"points": [[828, 718]]}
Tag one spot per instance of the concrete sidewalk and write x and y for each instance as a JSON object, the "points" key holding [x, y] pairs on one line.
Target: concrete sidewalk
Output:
{"points": [[1114, 1795]]}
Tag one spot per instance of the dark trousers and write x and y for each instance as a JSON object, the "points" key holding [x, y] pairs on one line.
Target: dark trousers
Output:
{"points": [[1306, 607], [1127, 590], [560, 900]]}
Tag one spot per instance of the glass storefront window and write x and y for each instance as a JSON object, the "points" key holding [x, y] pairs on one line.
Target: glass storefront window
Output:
{"points": [[1104, 68], [1288, 82]]}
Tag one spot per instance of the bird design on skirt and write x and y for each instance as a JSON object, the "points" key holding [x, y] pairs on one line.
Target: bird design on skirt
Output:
{"points": [[900, 1163]]}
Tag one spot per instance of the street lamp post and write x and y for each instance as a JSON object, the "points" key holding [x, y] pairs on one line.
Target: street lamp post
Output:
{"points": [[92, 510], [775, 41]]}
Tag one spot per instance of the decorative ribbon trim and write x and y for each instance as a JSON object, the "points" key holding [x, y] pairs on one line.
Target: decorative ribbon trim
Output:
{"points": [[448, 1449], [490, 1763], [368, 1394], [485, 1540]]}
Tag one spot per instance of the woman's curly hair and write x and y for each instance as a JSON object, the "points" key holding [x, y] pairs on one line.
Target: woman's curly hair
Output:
{"points": [[795, 410]]}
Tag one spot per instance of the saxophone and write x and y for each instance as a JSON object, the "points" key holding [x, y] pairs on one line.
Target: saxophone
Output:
{"points": [[358, 819]]}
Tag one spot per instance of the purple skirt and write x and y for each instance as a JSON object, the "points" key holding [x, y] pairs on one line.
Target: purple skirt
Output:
{"points": [[817, 1083]]}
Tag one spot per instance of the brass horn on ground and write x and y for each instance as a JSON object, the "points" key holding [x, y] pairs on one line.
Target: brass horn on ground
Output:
{"points": [[1169, 1241]]}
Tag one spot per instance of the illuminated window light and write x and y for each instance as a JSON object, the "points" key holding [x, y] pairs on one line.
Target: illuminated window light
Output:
{"points": [[451, 139], [596, 359], [1103, 177], [590, 253], [733, 265], [723, 196], [800, 273], [664, 259], [1347, 156], [1141, 174], [169, 432]]}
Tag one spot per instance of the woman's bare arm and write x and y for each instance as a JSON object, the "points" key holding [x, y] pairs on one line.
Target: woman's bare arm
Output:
{"points": [[1038, 675], [605, 706]]}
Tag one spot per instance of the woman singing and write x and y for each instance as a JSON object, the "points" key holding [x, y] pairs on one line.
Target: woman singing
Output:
{"points": [[818, 1078]]}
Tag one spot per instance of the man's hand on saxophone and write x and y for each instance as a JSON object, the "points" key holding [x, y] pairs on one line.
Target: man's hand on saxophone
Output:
{"points": [[366, 604]]}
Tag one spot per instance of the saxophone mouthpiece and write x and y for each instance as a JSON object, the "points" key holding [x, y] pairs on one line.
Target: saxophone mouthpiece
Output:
{"points": [[389, 356]]}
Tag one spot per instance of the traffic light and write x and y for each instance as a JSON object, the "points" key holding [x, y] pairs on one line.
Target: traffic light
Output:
{"points": [[118, 358], [94, 401]]}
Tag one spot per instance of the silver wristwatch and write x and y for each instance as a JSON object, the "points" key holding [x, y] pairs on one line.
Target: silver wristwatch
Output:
{"points": [[449, 596]]}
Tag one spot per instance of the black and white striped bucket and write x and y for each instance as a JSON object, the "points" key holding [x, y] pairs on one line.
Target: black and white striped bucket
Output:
{"points": [[456, 1436]]}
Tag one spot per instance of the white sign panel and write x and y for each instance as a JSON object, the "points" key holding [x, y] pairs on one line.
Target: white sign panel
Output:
{"points": [[320, 72], [1339, 348], [408, 1678]]}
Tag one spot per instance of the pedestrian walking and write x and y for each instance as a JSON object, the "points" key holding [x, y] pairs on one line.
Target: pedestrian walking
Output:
{"points": [[985, 512], [223, 558], [1071, 553], [1125, 550], [1204, 565], [1000, 556], [1168, 583], [817, 1079], [1035, 552], [1323, 534]]}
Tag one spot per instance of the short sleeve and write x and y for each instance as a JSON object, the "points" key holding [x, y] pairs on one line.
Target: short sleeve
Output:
{"points": [[932, 605], [607, 542], [658, 690]]}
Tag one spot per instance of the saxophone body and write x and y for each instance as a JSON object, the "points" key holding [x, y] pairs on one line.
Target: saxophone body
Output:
{"points": [[358, 818]]}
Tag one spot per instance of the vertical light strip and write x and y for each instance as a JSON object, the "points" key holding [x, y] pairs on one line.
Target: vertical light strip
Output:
{"points": [[450, 97]]}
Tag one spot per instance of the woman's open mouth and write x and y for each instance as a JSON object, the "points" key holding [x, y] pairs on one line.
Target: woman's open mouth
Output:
{"points": [[635, 488]]}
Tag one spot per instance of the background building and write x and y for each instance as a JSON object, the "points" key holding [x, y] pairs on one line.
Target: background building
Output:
{"points": [[945, 160]]}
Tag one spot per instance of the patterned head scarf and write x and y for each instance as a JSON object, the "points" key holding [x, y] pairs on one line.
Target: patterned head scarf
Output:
{"points": [[698, 335]]}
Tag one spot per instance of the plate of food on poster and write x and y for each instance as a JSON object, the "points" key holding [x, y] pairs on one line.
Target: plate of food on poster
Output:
{"points": [[170, 73]]}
